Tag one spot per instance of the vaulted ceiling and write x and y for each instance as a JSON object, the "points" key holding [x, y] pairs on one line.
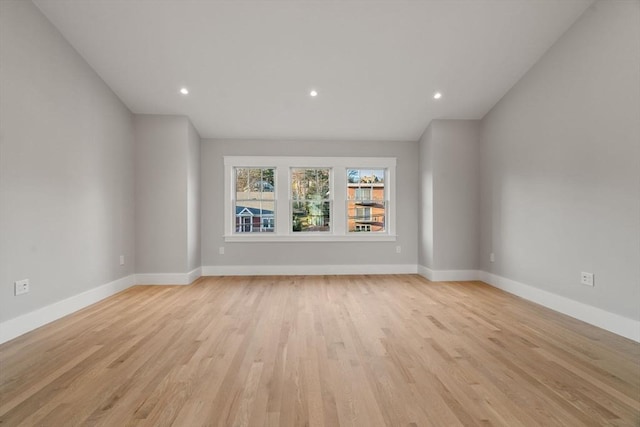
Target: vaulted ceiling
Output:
{"points": [[250, 65]]}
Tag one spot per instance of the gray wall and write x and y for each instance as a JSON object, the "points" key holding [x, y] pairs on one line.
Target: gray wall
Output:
{"points": [[193, 198], [338, 253], [66, 168], [425, 220], [162, 164], [456, 189], [561, 166], [449, 178]]}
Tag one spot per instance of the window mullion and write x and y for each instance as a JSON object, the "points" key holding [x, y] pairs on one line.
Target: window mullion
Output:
{"points": [[390, 200], [339, 194], [283, 206]]}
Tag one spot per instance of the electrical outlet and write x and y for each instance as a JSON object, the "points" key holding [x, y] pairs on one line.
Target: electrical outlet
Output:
{"points": [[21, 286], [492, 257], [398, 249], [121, 259], [221, 250], [586, 279]]}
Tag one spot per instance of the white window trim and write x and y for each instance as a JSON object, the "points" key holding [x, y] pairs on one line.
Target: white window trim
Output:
{"points": [[338, 189]]}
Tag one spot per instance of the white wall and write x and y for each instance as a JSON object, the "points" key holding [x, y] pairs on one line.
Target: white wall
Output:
{"points": [[338, 253], [561, 166], [450, 174], [66, 168]]}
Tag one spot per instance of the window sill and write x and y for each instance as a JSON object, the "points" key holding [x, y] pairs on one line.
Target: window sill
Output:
{"points": [[357, 237]]}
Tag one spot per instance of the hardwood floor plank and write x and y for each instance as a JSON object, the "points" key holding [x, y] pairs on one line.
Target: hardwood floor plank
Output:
{"points": [[370, 351]]}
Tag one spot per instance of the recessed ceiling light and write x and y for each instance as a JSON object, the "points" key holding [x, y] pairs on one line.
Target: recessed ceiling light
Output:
{"points": [[184, 91], [313, 93], [437, 95]]}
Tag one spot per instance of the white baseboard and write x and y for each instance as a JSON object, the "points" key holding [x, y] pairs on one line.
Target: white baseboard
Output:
{"points": [[448, 275], [12, 328], [306, 270], [194, 274], [611, 322], [617, 324], [168, 278], [17, 326]]}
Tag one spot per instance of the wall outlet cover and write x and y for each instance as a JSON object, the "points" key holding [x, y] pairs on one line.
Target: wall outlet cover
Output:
{"points": [[21, 286], [586, 279]]}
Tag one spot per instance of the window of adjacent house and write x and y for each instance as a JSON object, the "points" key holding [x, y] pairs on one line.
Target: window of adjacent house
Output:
{"points": [[310, 203], [309, 198], [366, 200], [255, 204]]}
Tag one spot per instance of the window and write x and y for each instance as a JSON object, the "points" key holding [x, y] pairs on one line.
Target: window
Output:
{"points": [[309, 198], [363, 214], [255, 199], [267, 223], [362, 193], [310, 205], [366, 200]]}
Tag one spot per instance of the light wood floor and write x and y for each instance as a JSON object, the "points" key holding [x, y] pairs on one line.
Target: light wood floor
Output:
{"points": [[319, 350]]}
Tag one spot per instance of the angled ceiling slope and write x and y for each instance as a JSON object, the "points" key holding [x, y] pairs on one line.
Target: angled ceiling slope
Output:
{"points": [[251, 65]]}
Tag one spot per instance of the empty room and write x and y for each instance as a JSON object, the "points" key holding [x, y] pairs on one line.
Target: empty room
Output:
{"points": [[320, 213]]}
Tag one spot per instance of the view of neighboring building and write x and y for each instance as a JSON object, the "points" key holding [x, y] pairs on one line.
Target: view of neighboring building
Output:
{"points": [[366, 194], [252, 220], [255, 202]]}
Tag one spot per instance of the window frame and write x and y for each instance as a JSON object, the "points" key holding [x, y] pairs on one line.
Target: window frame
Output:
{"points": [[338, 197], [242, 225], [361, 205]]}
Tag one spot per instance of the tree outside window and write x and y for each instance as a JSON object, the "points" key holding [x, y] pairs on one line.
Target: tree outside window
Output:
{"points": [[310, 203]]}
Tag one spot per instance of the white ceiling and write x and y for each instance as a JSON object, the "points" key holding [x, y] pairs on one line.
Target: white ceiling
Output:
{"points": [[251, 64]]}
